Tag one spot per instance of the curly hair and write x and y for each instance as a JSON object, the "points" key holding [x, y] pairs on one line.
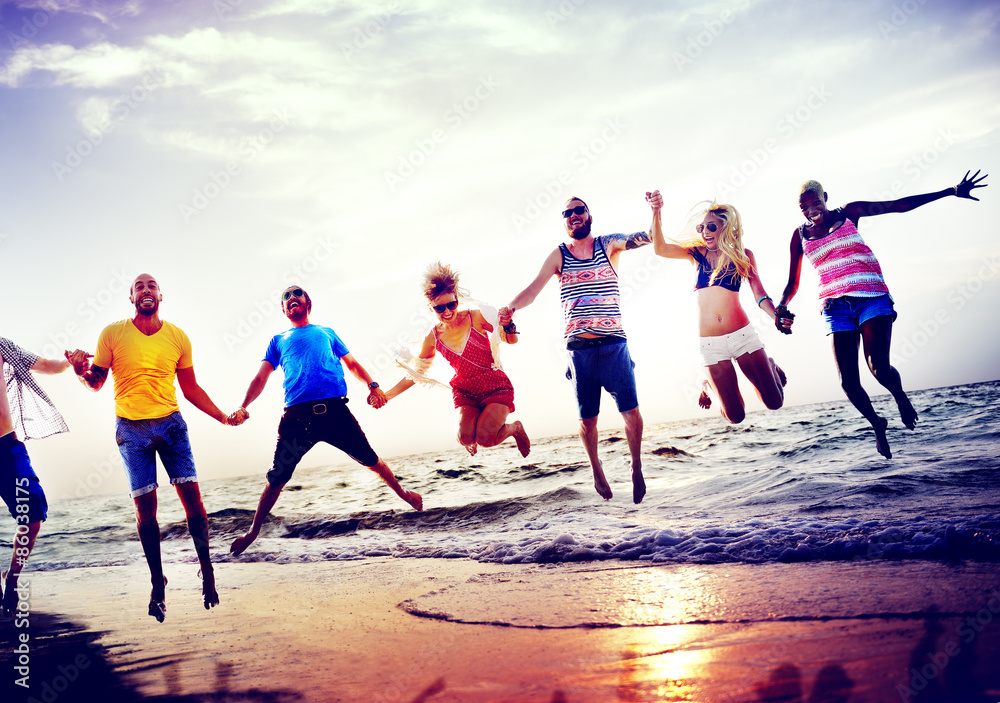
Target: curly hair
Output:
{"points": [[440, 279]]}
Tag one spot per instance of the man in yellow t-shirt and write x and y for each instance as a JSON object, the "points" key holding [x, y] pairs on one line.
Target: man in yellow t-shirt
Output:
{"points": [[145, 354]]}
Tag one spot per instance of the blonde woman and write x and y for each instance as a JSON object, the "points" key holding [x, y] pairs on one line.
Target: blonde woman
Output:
{"points": [[482, 392], [722, 264]]}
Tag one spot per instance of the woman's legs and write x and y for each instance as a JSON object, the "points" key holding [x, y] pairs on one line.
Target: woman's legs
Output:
{"points": [[492, 428], [468, 418], [723, 379], [876, 336], [845, 354], [765, 376]]}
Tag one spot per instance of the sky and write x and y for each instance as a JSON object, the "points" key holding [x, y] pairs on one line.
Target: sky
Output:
{"points": [[234, 147]]}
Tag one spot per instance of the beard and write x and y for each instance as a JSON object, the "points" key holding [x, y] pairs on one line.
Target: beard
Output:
{"points": [[148, 312], [583, 232]]}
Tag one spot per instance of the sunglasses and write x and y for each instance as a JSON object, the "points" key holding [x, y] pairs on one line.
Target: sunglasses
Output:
{"points": [[711, 227], [293, 293], [445, 306], [578, 210]]}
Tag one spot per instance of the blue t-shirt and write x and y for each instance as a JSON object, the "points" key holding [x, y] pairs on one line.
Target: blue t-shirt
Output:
{"points": [[310, 358]]}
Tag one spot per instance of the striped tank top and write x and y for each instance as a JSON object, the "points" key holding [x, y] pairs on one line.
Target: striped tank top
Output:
{"points": [[588, 289], [845, 264]]}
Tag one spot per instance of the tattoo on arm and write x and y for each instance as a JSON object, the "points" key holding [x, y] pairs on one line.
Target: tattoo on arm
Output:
{"points": [[639, 239], [96, 375]]}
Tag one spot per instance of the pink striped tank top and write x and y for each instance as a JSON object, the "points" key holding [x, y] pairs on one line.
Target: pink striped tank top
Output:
{"points": [[845, 264]]}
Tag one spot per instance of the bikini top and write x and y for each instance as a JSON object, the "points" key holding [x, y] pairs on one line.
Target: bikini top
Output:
{"points": [[729, 278]]}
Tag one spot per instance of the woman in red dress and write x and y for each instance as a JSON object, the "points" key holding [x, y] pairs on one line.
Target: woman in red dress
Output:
{"points": [[482, 392]]}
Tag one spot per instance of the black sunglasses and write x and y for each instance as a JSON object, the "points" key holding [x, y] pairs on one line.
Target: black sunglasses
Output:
{"points": [[296, 292], [578, 210], [711, 227], [446, 306]]}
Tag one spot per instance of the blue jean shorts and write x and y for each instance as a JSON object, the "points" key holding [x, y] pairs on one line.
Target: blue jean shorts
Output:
{"points": [[19, 485], [847, 313], [139, 441], [598, 363]]}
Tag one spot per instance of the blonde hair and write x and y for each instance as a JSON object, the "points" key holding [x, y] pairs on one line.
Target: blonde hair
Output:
{"points": [[813, 187], [439, 279], [729, 239]]}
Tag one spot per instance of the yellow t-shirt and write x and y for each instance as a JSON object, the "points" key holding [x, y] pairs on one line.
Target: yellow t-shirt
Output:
{"points": [[143, 367]]}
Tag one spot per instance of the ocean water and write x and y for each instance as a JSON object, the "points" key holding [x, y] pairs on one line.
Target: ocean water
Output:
{"points": [[799, 484]]}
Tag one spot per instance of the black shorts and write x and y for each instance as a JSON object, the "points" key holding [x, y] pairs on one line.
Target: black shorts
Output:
{"points": [[304, 425]]}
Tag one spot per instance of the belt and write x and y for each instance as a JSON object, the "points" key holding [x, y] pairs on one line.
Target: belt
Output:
{"points": [[315, 407], [577, 343]]}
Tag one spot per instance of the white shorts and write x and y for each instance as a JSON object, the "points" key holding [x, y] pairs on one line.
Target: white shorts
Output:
{"points": [[729, 346]]}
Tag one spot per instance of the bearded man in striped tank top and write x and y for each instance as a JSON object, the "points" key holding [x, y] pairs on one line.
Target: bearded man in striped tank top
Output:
{"points": [[587, 269]]}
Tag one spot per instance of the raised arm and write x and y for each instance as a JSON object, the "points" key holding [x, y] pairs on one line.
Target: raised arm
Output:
{"points": [[964, 189], [93, 377], [526, 297], [661, 247], [197, 396], [427, 352], [376, 397]]}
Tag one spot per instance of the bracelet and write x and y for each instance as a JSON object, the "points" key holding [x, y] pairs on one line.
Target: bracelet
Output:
{"points": [[956, 190], [763, 298]]}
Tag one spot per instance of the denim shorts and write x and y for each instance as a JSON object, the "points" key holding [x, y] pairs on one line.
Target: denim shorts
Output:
{"points": [[847, 313], [19, 485], [598, 363], [139, 441]]}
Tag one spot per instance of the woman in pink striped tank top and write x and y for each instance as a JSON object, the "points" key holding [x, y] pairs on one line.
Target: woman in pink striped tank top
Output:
{"points": [[857, 307], [482, 392]]}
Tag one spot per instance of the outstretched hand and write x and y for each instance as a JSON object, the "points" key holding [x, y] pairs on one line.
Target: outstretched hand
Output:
{"points": [[965, 188]]}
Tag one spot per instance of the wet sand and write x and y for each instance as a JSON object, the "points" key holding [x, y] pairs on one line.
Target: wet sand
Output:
{"points": [[402, 630]]}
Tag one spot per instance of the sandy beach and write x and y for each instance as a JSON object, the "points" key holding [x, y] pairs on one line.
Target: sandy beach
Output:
{"points": [[456, 630]]}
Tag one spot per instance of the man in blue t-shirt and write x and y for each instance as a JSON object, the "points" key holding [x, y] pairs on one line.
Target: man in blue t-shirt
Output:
{"points": [[313, 360]]}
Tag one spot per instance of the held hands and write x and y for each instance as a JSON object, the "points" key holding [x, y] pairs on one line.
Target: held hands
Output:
{"points": [[377, 398], [783, 319], [505, 315], [654, 199], [80, 360], [238, 418], [965, 188]]}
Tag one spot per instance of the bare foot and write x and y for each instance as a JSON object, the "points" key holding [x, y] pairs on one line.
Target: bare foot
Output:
{"points": [[414, 500], [601, 483], [208, 592], [638, 486], [241, 543], [471, 448], [705, 400], [907, 413], [881, 443], [782, 379], [521, 437], [157, 602]]}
